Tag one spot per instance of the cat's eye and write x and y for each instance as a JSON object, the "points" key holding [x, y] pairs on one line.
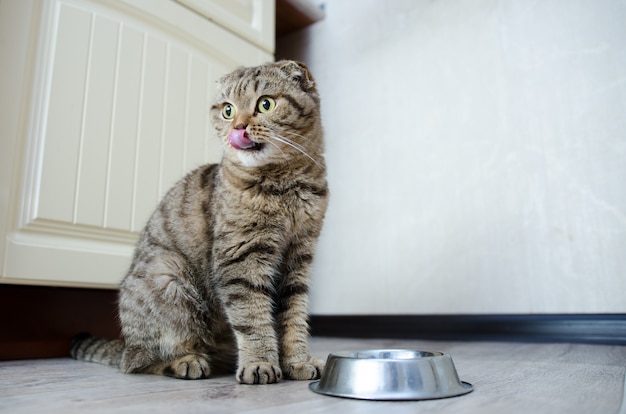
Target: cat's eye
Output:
{"points": [[266, 104], [228, 111]]}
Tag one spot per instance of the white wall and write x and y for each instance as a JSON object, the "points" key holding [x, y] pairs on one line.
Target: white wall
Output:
{"points": [[477, 155]]}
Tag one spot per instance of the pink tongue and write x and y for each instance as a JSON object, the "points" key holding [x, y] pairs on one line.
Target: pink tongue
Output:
{"points": [[238, 141]]}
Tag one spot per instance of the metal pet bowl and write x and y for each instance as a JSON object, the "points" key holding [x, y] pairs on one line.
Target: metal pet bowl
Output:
{"points": [[390, 374]]}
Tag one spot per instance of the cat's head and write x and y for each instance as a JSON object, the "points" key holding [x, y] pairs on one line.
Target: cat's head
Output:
{"points": [[269, 114]]}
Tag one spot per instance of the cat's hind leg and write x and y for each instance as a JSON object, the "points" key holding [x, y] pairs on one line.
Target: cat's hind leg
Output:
{"points": [[187, 366], [163, 318], [190, 366]]}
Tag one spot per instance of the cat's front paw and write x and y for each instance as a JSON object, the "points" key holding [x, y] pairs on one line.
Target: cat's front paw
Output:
{"points": [[259, 373], [308, 370]]}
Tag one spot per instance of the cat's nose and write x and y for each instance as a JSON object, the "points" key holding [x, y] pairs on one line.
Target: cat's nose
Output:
{"points": [[241, 125]]}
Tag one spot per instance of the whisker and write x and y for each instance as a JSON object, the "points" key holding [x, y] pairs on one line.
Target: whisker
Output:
{"points": [[295, 146], [292, 133], [223, 143], [301, 148], [290, 142], [276, 146]]}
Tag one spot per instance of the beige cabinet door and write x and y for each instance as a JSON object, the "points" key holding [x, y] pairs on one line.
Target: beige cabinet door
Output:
{"points": [[118, 112], [251, 19]]}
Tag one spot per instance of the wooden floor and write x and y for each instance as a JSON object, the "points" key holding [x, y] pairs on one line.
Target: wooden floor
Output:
{"points": [[507, 378]]}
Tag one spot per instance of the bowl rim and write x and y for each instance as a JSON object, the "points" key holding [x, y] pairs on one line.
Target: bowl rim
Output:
{"points": [[360, 355]]}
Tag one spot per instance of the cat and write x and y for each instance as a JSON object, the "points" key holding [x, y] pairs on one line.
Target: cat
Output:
{"points": [[220, 275]]}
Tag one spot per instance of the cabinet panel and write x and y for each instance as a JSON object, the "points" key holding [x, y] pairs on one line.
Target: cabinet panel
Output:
{"points": [[123, 141], [119, 113], [96, 127], [62, 139], [254, 20]]}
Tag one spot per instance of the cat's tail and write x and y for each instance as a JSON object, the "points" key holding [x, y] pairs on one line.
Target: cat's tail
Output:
{"points": [[103, 351]]}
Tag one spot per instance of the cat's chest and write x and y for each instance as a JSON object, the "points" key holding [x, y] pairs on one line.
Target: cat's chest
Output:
{"points": [[294, 208], [296, 204]]}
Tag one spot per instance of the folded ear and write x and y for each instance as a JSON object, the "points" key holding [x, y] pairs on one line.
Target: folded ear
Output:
{"points": [[231, 76], [298, 72]]}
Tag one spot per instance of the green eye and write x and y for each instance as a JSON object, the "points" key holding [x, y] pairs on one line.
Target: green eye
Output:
{"points": [[228, 111], [266, 104]]}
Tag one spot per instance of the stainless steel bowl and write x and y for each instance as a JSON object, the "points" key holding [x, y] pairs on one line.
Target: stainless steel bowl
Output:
{"points": [[390, 374]]}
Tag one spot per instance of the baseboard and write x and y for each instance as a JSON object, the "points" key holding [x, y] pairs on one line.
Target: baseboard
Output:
{"points": [[586, 328], [39, 322]]}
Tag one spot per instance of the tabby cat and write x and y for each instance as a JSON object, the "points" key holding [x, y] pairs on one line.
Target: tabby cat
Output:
{"points": [[220, 275]]}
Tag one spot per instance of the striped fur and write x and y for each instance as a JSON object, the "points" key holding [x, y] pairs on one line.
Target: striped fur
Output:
{"points": [[220, 275]]}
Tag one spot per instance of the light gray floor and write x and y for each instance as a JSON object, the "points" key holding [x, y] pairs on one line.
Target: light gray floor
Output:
{"points": [[507, 378]]}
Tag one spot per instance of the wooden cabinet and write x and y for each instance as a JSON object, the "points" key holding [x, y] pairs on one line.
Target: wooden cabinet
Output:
{"points": [[107, 107]]}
